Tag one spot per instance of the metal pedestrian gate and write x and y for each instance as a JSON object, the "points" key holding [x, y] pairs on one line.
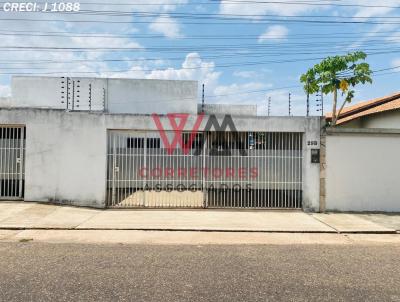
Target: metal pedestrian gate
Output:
{"points": [[12, 158], [208, 170]]}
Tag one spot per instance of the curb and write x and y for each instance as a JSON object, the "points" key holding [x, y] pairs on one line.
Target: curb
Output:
{"points": [[200, 230]]}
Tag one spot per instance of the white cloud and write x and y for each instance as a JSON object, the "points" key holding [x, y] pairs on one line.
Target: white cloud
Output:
{"points": [[233, 93], [192, 68], [274, 33], [367, 10], [365, 13], [195, 68], [246, 74], [396, 62], [166, 26], [54, 68], [249, 8]]}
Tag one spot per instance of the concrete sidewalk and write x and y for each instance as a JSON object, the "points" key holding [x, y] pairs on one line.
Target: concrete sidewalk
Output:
{"points": [[29, 215]]}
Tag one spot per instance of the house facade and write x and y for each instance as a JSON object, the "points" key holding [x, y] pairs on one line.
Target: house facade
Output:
{"points": [[361, 168], [126, 143]]}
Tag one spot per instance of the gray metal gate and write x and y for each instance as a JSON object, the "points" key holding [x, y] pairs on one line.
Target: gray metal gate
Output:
{"points": [[218, 170], [12, 162]]}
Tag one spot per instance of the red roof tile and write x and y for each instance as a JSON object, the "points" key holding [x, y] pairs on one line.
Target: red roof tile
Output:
{"points": [[387, 103]]}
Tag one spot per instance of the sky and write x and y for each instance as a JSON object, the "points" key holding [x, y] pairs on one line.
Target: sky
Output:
{"points": [[243, 51]]}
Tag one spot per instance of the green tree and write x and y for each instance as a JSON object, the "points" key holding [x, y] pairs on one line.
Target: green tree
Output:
{"points": [[337, 73]]}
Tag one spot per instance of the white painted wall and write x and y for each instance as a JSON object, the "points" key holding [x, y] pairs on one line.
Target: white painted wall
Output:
{"points": [[36, 92], [134, 96], [363, 172], [382, 120], [66, 151], [5, 102], [65, 155], [386, 120], [151, 96], [244, 110]]}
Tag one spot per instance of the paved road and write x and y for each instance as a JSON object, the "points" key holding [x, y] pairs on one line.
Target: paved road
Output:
{"points": [[71, 272]]}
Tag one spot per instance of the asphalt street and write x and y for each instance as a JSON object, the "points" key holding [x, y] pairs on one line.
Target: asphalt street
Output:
{"points": [[32, 271]]}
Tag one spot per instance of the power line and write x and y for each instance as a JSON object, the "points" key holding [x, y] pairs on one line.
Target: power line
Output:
{"points": [[305, 3], [214, 48], [264, 21], [235, 36], [144, 70], [205, 16], [313, 44], [247, 2]]}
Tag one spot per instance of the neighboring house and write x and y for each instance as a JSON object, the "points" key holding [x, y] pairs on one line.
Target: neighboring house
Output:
{"points": [[361, 170], [382, 112]]}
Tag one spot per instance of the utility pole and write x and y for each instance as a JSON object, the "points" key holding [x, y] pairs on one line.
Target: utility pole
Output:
{"points": [[320, 102], [308, 99], [202, 100], [290, 105], [269, 106]]}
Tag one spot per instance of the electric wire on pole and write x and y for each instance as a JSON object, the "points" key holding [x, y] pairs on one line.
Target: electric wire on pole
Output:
{"points": [[320, 102], [269, 106], [308, 98], [202, 100], [290, 105]]}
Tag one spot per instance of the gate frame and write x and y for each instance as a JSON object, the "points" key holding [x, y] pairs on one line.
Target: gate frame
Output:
{"points": [[205, 202]]}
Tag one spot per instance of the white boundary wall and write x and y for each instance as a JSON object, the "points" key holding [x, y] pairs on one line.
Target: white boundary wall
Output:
{"points": [[66, 151], [136, 96], [363, 170]]}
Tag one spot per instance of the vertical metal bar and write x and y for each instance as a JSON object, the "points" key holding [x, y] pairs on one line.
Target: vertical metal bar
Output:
{"points": [[301, 164], [203, 183], [114, 167], [139, 155], [284, 169], [281, 172], [12, 162], [1, 160], [22, 161], [240, 166], [294, 168], [158, 161], [219, 166], [268, 147], [145, 167], [15, 164], [275, 167], [290, 170], [286, 148], [211, 163], [118, 158], [8, 161], [232, 166], [131, 168], [290, 155], [125, 167], [297, 170]]}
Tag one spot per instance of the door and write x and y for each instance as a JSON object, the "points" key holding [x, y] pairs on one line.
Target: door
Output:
{"points": [[12, 162]]}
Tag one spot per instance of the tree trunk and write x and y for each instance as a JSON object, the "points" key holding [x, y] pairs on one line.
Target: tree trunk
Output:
{"points": [[334, 118]]}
